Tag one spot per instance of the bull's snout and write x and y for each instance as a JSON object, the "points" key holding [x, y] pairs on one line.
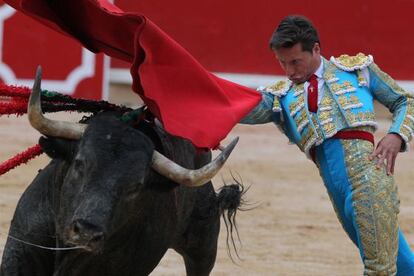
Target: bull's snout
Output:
{"points": [[83, 233]]}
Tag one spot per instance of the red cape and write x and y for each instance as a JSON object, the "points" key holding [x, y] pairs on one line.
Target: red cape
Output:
{"points": [[190, 101]]}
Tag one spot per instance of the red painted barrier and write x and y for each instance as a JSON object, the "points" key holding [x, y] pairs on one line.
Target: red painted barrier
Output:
{"points": [[68, 68], [225, 36], [232, 35]]}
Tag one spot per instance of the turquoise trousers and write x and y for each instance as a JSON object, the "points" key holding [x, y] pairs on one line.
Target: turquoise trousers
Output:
{"points": [[366, 202]]}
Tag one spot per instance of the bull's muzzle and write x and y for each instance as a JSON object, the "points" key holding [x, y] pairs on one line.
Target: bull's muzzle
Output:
{"points": [[84, 234], [160, 163]]}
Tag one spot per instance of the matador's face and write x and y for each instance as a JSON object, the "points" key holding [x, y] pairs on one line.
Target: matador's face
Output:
{"points": [[298, 64]]}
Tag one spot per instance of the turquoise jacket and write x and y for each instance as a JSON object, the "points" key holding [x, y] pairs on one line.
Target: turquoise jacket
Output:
{"points": [[347, 103]]}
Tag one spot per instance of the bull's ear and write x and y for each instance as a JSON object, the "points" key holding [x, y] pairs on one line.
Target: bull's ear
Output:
{"points": [[58, 147]]}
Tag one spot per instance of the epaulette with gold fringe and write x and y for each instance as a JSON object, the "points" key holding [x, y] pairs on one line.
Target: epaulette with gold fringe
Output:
{"points": [[352, 63], [280, 88]]}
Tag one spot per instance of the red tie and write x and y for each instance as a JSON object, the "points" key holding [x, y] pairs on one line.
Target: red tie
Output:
{"points": [[313, 93]]}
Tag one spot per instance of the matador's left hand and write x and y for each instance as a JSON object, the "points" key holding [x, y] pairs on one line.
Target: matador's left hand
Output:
{"points": [[386, 151]]}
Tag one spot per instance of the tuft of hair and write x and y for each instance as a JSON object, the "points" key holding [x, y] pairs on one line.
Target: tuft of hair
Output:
{"points": [[294, 29], [231, 199]]}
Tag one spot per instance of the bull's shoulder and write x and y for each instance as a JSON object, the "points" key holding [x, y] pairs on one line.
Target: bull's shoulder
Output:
{"points": [[180, 150], [351, 63]]}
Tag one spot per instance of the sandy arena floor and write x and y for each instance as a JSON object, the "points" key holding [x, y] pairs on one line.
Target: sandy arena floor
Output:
{"points": [[293, 230]]}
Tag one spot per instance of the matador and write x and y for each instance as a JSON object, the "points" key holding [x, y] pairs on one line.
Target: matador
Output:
{"points": [[326, 108]]}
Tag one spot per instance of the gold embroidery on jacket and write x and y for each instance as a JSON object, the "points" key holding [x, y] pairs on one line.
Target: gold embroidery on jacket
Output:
{"points": [[361, 79], [301, 120], [323, 116], [330, 76], [360, 118], [280, 88], [342, 88], [276, 105], [350, 102], [352, 63], [296, 106], [299, 89], [328, 112], [306, 137]]}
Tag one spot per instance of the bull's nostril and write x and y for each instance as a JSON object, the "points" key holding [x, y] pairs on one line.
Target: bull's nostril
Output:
{"points": [[85, 232], [97, 237], [77, 227]]}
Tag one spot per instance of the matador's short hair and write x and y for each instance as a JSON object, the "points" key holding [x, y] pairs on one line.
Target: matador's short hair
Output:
{"points": [[294, 29]]}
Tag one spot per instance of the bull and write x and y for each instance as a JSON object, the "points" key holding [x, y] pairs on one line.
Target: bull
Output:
{"points": [[114, 198]]}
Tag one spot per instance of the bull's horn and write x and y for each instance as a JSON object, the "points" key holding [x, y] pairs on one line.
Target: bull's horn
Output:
{"points": [[44, 125], [187, 177]]}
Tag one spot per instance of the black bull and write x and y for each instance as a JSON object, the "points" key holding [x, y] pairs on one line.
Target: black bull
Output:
{"points": [[101, 195]]}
